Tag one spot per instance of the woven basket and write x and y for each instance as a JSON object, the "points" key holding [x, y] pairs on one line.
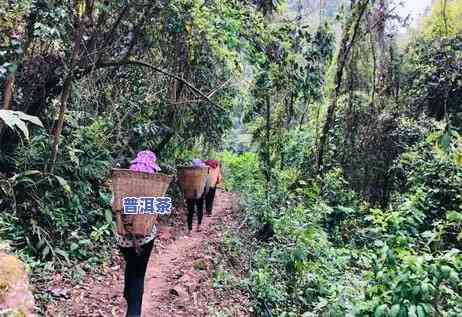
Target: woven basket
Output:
{"points": [[126, 183], [192, 181], [214, 174]]}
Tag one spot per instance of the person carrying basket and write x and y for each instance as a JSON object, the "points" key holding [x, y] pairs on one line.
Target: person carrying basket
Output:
{"points": [[136, 233], [192, 203], [193, 182], [214, 178]]}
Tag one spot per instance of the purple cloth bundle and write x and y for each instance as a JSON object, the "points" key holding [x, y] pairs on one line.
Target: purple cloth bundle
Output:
{"points": [[145, 161], [198, 163]]}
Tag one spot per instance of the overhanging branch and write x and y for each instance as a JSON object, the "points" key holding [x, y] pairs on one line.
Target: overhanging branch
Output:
{"points": [[164, 72]]}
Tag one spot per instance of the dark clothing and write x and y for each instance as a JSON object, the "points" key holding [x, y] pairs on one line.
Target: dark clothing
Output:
{"points": [[191, 205], [209, 198], [135, 270]]}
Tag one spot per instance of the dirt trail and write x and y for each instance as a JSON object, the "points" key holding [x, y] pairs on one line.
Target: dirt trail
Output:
{"points": [[169, 280], [179, 280]]}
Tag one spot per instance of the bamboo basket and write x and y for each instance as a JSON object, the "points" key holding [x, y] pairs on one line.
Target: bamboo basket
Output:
{"points": [[193, 181], [126, 183], [214, 174]]}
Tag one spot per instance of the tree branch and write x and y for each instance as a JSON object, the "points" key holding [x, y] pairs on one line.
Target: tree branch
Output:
{"points": [[164, 72], [213, 92]]}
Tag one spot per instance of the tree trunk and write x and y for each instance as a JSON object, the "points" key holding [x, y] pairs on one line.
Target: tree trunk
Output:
{"points": [[267, 154], [445, 17], [8, 95], [382, 87], [351, 25], [67, 88]]}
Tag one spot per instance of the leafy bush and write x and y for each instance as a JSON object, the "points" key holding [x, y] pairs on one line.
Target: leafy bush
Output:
{"points": [[433, 83], [65, 215], [405, 284], [433, 180], [321, 259], [241, 172]]}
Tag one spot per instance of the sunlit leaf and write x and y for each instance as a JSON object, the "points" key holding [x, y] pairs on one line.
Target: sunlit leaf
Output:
{"points": [[17, 119]]}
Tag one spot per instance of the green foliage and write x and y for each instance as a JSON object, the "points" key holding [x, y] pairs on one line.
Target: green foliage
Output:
{"points": [[444, 21], [291, 275], [333, 251], [433, 181], [241, 172], [289, 63], [112, 112], [298, 150], [268, 6], [405, 284], [333, 255], [434, 82], [53, 214]]}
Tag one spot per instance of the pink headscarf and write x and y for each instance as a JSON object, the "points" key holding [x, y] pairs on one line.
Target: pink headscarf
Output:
{"points": [[212, 163], [145, 161]]}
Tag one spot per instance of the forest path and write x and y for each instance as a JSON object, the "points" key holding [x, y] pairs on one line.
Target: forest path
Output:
{"points": [[179, 279]]}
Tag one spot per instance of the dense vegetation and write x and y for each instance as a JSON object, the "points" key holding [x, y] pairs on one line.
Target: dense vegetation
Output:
{"points": [[342, 136], [376, 229]]}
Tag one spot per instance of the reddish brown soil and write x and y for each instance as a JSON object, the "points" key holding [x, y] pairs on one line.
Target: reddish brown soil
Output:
{"points": [[179, 280]]}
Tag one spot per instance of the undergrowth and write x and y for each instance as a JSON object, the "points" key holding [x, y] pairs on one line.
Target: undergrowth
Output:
{"points": [[333, 254]]}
